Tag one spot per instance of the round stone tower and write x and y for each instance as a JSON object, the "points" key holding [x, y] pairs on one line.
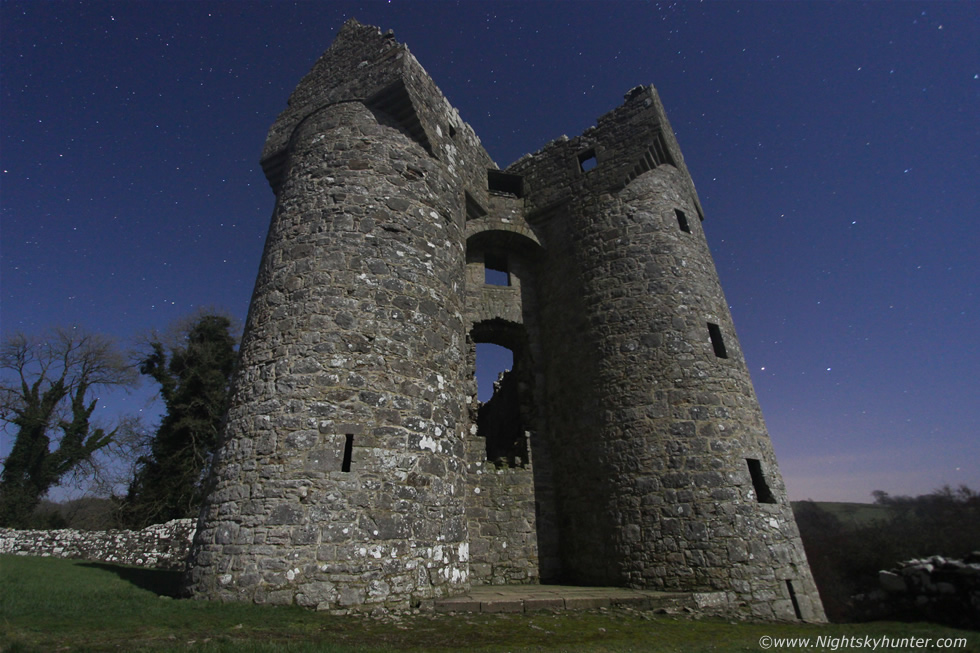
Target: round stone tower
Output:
{"points": [[340, 481], [667, 473]]}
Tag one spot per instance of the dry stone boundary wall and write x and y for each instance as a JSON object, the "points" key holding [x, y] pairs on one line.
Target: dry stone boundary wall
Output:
{"points": [[936, 589], [162, 546]]}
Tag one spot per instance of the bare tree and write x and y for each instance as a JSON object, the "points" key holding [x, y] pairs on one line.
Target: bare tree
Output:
{"points": [[45, 386]]}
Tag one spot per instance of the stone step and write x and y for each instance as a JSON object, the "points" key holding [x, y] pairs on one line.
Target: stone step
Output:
{"points": [[531, 598]]}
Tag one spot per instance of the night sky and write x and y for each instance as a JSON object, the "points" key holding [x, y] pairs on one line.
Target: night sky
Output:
{"points": [[835, 148]]}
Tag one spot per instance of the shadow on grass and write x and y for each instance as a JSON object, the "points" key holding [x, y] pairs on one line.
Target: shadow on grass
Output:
{"points": [[159, 581]]}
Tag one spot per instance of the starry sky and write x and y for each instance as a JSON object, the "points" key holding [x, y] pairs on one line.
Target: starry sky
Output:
{"points": [[835, 147]]}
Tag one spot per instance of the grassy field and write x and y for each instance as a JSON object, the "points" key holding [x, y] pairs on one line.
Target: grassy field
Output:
{"points": [[62, 605]]}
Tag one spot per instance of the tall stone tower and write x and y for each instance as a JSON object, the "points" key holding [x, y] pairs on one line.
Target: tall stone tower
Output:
{"points": [[626, 447]]}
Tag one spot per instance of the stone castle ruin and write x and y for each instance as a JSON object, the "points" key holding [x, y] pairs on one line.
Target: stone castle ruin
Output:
{"points": [[626, 447]]}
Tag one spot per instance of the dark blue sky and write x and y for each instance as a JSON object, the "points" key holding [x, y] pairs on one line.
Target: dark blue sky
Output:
{"points": [[835, 147]]}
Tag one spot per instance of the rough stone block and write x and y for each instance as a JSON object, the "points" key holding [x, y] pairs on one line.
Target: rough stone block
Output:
{"points": [[502, 605]]}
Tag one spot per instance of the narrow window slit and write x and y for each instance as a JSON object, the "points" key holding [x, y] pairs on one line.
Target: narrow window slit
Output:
{"points": [[762, 492], [496, 272], [682, 221], [717, 342], [348, 452], [796, 602]]}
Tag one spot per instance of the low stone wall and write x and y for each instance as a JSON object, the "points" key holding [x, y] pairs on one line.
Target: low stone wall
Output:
{"points": [[162, 546], [936, 589]]}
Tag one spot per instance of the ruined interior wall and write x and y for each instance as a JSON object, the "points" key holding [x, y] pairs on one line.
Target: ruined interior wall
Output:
{"points": [[510, 501], [162, 546], [500, 516], [500, 494]]}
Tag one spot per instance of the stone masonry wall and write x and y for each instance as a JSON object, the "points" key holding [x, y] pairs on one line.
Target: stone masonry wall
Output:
{"points": [[500, 517], [163, 546]]}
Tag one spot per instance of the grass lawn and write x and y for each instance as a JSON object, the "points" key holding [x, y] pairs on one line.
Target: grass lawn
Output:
{"points": [[50, 605]]}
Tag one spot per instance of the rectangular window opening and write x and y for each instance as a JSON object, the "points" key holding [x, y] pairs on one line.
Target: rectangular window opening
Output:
{"points": [[682, 221], [495, 270], [717, 342], [587, 160], [348, 452], [505, 182], [796, 602], [762, 492]]}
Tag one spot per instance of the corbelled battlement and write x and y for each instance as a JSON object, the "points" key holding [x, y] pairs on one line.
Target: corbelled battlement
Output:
{"points": [[367, 66]]}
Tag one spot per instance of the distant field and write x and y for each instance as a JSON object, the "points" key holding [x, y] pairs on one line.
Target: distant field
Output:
{"points": [[50, 604], [854, 515]]}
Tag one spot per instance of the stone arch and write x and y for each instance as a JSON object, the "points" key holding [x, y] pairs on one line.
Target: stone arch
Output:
{"points": [[503, 240], [498, 331], [513, 251], [506, 233]]}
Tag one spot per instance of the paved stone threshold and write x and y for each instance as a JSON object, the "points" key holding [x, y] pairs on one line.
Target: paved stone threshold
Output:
{"points": [[531, 598]]}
